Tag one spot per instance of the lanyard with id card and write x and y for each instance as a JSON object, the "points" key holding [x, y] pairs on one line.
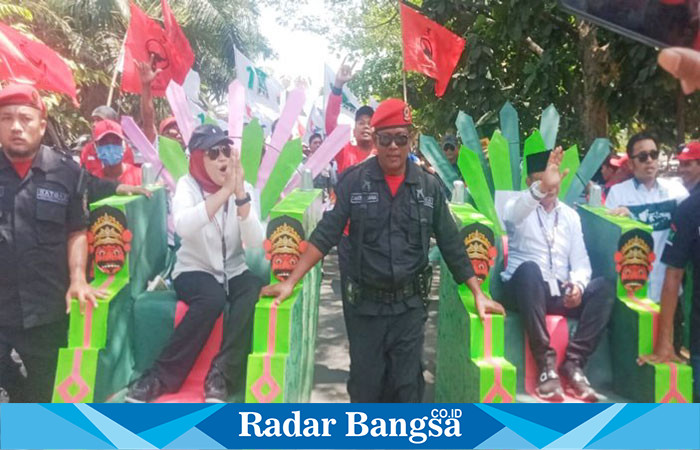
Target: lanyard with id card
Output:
{"points": [[549, 239]]}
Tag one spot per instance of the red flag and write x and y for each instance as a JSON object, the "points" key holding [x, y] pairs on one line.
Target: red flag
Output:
{"points": [[183, 56], [429, 48], [147, 41], [25, 60]]}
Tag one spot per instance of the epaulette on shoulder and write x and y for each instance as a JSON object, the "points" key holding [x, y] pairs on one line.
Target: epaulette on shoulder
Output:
{"points": [[350, 170]]}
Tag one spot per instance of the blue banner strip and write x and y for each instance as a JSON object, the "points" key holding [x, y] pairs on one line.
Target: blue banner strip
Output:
{"points": [[350, 426]]}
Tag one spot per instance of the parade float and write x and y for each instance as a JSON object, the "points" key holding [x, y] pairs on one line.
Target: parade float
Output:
{"points": [[490, 361], [112, 344]]}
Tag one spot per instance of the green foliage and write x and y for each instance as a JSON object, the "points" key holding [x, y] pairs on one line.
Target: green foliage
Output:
{"points": [[528, 52]]}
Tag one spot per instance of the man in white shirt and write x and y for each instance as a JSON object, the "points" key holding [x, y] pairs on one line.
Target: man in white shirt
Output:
{"points": [[549, 272], [648, 199]]}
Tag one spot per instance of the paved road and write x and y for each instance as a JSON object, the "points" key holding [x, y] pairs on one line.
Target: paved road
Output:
{"points": [[332, 356]]}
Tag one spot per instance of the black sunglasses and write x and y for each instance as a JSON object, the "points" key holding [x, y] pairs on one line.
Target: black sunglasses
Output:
{"points": [[644, 156], [385, 140], [213, 153]]}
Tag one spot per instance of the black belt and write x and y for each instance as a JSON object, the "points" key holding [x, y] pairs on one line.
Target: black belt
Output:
{"points": [[389, 295]]}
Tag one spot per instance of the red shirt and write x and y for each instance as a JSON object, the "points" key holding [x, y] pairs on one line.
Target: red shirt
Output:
{"points": [[89, 159], [350, 154], [131, 175], [394, 181], [22, 168]]}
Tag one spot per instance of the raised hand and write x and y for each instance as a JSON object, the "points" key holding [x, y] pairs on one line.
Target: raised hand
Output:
{"points": [[344, 73], [552, 177], [146, 72]]}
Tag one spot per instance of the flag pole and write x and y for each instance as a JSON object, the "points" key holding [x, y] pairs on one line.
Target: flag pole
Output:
{"points": [[116, 69], [403, 59]]}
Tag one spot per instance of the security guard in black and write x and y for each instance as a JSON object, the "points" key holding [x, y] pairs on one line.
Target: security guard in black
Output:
{"points": [[389, 239], [43, 245]]}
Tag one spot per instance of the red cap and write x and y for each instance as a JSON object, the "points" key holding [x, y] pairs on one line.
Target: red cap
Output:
{"points": [[105, 127], [22, 94], [691, 152], [166, 123], [619, 161], [391, 113]]}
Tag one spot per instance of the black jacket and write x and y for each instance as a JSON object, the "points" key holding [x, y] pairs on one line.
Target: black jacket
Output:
{"points": [[36, 217], [392, 249]]}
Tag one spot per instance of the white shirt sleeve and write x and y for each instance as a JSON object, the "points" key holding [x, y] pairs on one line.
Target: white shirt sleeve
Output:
{"points": [[252, 233], [189, 211], [613, 199], [580, 265], [519, 207]]}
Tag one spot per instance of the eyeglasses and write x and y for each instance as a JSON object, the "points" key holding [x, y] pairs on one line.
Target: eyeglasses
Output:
{"points": [[644, 156], [213, 153], [385, 140], [449, 148]]}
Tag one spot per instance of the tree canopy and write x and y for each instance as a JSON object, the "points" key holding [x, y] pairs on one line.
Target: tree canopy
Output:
{"points": [[528, 52]]}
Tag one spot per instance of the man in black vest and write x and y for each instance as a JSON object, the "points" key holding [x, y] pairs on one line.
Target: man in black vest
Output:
{"points": [[43, 244], [393, 207]]}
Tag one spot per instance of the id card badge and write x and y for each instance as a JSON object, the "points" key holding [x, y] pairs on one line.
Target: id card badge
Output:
{"points": [[554, 287]]}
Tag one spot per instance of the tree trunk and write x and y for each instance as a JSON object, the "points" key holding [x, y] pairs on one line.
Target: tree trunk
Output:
{"points": [[595, 111], [680, 117]]}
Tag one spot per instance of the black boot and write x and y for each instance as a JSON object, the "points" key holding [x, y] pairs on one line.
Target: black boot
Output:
{"points": [[145, 389], [575, 382], [215, 390]]}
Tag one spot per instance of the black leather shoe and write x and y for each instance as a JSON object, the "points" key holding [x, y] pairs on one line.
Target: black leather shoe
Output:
{"points": [[549, 386], [215, 390], [575, 382], [144, 390]]}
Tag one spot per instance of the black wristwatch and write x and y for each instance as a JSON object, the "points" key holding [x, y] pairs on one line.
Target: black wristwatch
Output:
{"points": [[335, 90], [243, 201]]}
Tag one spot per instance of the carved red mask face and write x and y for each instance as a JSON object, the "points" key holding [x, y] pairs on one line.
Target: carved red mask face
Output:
{"points": [[282, 265], [109, 258], [481, 269], [634, 276]]}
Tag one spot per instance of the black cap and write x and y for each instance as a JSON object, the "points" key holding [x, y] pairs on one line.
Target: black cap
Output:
{"points": [[206, 136], [364, 111], [537, 162], [449, 139]]}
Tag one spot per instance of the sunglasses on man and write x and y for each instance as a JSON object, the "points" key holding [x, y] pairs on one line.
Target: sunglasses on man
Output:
{"points": [[644, 156], [386, 139], [214, 152]]}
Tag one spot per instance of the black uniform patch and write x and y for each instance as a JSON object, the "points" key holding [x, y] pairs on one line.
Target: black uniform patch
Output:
{"points": [[371, 197], [52, 196]]}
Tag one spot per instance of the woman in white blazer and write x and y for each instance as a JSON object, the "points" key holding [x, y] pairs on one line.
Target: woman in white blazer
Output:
{"points": [[216, 223]]}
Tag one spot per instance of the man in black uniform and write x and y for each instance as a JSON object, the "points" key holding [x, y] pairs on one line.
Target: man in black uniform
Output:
{"points": [[682, 247], [393, 206], [43, 244]]}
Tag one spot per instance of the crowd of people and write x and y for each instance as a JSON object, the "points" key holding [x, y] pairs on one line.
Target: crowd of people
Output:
{"points": [[387, 207]]}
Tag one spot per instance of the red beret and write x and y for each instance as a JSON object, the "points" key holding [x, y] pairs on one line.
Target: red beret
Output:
{"points": [[391, 113], [619, 161], [22, 94], [690, 152], [105, 127]]}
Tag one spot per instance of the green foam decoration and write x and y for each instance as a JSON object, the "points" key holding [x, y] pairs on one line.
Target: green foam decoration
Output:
{"points": [[290, 358], [251, 150], [464, 373], [173, 157], [632, 320], [470, 139], [599, 150], [549, 126], [511, 131], [533, 144], [499, 158], [286, 165], [569, 161], [103, 353], [470, 167], [430, 148]]}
